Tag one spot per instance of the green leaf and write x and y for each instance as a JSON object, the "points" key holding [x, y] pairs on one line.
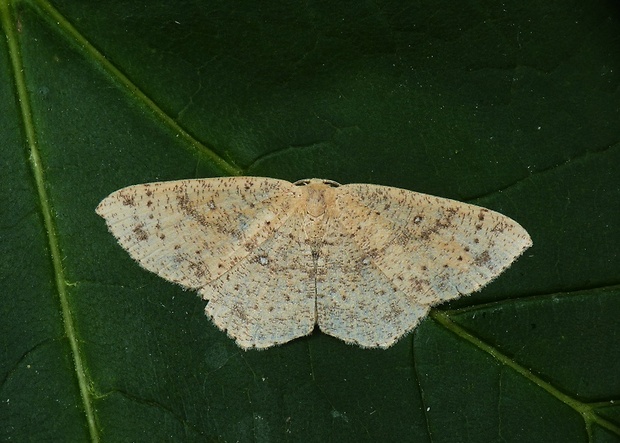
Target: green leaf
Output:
{"points": [[510, 105]]}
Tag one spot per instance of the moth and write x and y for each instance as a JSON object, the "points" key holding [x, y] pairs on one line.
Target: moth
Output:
{"points": [[364, 263]]}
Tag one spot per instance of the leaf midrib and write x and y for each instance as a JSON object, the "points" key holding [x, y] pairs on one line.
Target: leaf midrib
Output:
{"points": [[8, 19]]}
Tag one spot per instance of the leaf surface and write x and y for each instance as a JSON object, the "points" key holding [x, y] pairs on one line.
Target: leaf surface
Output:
{"points": [[513, 106]]}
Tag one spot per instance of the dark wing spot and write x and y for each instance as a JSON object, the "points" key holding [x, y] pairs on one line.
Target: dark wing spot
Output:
{"points": [[482, 259], [141, 234], [128, 200]]}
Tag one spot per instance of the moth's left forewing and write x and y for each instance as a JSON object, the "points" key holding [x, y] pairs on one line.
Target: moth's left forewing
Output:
{"points": [[192, 231]]}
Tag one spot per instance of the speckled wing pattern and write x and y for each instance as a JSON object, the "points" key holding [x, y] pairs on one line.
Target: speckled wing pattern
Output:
{"points": [[273, 258], [191, 232], [268, 298], [236, 240], [357, 302], [401, 252]]}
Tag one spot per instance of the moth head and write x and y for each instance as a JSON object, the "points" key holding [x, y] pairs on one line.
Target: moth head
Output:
{"points": [[316, 181]]}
